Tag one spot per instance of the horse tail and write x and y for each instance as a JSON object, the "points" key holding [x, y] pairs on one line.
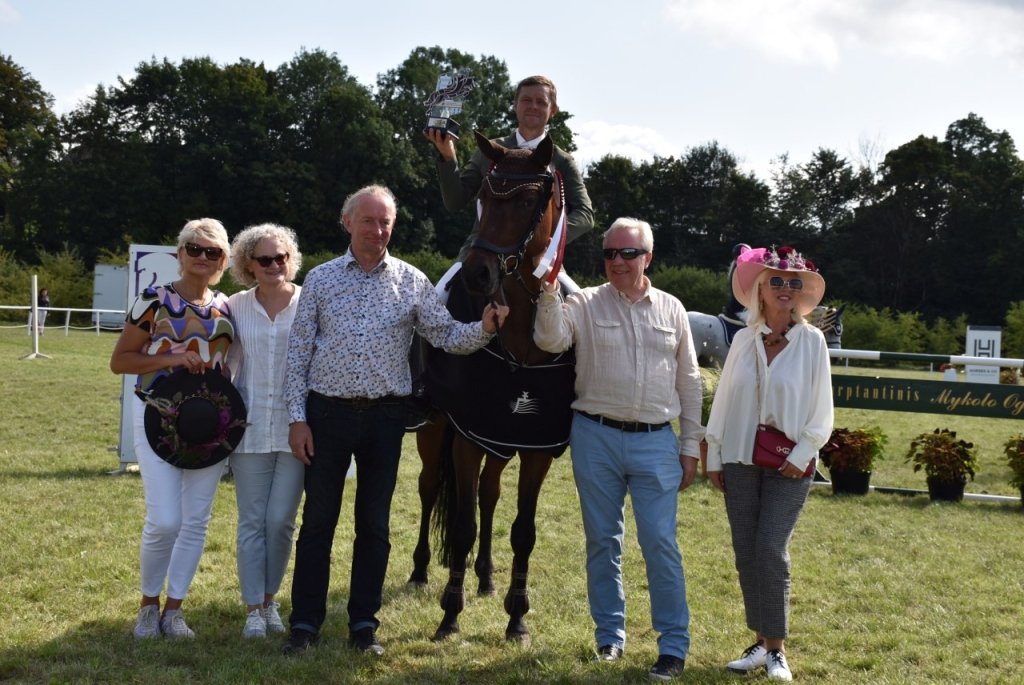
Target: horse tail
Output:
{"points": [[445, 508]]}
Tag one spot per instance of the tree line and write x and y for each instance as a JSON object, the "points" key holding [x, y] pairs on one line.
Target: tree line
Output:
{"points": [[932, 226]]}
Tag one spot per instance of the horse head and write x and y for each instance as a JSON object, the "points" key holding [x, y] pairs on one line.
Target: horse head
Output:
{"points": [[829, 320], [519, 203]]}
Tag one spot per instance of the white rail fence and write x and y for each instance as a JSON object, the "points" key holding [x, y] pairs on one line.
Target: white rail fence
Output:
{"points": [[68, 311]]}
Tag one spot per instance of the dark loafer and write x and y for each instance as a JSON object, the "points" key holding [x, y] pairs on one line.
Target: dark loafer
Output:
{"points": [[365, 640], [299, 641], [608, 653]]}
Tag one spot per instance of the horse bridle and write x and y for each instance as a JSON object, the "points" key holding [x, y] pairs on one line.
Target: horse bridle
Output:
{"points": [[510, 262]]}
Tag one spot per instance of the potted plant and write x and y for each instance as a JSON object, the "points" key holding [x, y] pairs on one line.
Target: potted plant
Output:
{"points": [[850, 457], [947, 463], [1013, 450]]}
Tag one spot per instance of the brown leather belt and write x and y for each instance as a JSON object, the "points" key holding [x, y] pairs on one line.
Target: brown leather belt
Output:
{"points": [[627, 426], [358, 402]]}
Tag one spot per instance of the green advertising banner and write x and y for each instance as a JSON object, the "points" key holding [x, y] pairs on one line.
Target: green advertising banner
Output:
{"points": [[929, 397]]}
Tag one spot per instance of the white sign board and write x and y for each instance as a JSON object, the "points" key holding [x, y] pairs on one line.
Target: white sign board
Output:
{"points": [[983, 341], [148, 265]]}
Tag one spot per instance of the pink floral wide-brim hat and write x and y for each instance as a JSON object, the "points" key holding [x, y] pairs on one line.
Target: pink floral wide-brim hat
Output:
{"points": [[752, 262]]}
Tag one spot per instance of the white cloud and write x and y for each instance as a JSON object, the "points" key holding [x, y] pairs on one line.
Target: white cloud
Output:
{"points": [[8, 15], [817, 31], [595, 139], [66, 104]]}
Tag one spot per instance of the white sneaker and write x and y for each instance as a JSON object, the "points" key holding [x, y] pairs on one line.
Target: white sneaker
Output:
{"points": [[755, 656], [274, 622], [778, 669], [255, 624], [147, 625], [173, 625]]}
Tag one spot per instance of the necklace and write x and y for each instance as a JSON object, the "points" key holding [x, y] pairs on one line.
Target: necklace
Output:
{"points": [[769, 343], [203, 299]]}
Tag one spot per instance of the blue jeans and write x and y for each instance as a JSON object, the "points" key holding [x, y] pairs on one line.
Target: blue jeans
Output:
{"points": [[606, 463], [374, 437]]}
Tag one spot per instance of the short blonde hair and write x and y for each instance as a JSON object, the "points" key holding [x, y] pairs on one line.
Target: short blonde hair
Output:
{"points": [[246, 242], [208, 229]]}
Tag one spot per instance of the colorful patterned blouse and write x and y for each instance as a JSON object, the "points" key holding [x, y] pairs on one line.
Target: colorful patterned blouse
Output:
{"points": [[175, 326]]}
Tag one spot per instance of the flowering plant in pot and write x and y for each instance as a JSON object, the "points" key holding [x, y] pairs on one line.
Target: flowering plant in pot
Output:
{"points": [[947, 463], [850, 456], [1013, 450]]}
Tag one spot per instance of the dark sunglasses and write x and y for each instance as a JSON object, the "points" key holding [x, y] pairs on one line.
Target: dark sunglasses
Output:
{"points": [[626, 253], [212, 253], [267, 261], [778, 282]]}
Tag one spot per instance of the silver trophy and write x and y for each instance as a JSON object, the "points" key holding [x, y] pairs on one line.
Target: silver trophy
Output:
{"points": [[446, 102]]}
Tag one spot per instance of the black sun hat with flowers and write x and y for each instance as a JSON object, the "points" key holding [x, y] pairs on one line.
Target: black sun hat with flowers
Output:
{"points": [[194, 420]]}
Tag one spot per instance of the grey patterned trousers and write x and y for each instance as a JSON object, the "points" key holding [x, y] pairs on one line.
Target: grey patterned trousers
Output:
{"points": [[763, 508]]}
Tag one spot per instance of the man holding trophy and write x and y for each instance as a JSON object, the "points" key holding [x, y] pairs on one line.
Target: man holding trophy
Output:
{"points": [[535, 103]]}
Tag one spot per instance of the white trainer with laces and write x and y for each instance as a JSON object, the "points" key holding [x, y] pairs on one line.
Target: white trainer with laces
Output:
{"points": [[755, 656], [778, 669], [147, 625], [255, 624], [173, 625], [274, 622]]}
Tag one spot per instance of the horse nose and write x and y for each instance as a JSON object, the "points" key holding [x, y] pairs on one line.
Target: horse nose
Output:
{"points": [[480, 279]]}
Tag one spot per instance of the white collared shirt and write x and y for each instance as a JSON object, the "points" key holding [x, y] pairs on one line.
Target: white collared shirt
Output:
{"points": [[796, 397], [525, 144], [258, 361]]}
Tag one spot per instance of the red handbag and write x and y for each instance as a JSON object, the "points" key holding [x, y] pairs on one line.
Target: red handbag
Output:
{"points": [[771, 447]]}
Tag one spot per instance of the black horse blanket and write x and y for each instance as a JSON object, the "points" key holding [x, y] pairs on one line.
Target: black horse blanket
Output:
{"points": [[499, 409]]}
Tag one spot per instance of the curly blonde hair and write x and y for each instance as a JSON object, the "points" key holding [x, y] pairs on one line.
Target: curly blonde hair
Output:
{"points": [[246, 242]]}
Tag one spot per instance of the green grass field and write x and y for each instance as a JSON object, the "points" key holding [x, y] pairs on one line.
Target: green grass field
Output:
{"points": [[886, 589]]}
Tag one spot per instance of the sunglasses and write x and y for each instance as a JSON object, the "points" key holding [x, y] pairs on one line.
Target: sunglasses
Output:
{"points": [[626, 253], [267, 261], [212, 253], [778, 283]]}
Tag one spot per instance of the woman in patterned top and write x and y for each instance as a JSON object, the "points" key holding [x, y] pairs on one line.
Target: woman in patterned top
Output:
{"points": [[268, 479], [183, 324]]}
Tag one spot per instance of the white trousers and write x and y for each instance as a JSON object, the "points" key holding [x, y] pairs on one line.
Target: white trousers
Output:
{"points": [[178, 507]]}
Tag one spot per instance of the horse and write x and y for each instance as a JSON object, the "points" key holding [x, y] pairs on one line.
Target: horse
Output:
{"points": [[530, 391], [712, 335]]}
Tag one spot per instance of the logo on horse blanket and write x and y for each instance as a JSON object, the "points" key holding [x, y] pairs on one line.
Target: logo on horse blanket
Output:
{"points": [[499, 409]]}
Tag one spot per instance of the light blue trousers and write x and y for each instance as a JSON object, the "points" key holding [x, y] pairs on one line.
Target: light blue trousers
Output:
{"points": [[607, 463], [268, 488]]}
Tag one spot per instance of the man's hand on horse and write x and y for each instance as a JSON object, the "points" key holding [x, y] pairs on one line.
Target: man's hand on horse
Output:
{"points": [[300, 439], [689, 465], [494, 316], [444, 143]]}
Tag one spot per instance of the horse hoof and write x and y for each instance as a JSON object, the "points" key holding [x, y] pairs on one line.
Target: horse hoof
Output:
{"points": [[416, 584], [518, 638], [444, 632], [487, 590]]}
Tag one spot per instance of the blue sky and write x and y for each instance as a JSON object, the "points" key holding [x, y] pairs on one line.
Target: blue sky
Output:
{"points": [[762, 77]]}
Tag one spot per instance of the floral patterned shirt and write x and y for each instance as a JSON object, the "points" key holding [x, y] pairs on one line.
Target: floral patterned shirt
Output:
{"points": [[352, 331], [175, 325]]}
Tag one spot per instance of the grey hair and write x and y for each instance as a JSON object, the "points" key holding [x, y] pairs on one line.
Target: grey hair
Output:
{"points": [[208, 229], [755, 314], [378, 190], [628, 222], [246, 242]]}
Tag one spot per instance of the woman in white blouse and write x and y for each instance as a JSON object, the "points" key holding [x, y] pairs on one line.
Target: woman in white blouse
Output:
{"points": [[268, 479], [777, 373]]}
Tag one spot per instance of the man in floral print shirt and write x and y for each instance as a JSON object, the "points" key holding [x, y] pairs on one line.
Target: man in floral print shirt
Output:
{"points": [[348, 376]]}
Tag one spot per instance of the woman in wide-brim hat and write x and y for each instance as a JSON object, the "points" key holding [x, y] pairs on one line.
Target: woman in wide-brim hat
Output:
{"points": [[182, 327], [778, 373]]}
